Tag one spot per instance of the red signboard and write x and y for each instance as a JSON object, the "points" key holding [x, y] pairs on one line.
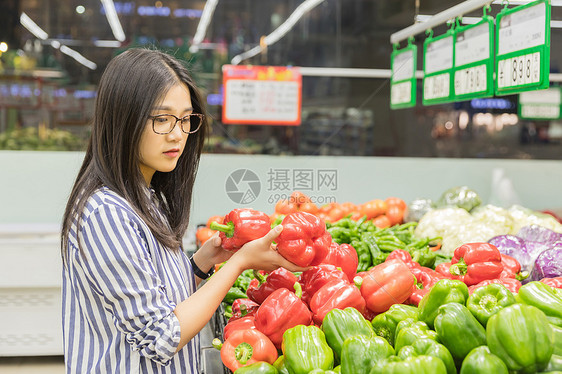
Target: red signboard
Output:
{"points": [[261, 95]]}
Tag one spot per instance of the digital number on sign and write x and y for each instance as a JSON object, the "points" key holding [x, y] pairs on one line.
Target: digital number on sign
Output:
{"points": [[470, 80], [437, 86], [519, 70], [401, 92]]}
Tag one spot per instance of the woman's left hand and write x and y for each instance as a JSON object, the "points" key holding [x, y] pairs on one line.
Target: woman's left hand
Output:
{"points": [[211, 252]]}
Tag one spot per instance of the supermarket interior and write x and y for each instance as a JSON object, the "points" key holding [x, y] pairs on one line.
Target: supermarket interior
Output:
{"points": [[424, 136]]}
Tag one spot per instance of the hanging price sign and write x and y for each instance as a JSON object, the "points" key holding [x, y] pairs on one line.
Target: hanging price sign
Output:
{"points": [[438, 56], [403, 80], [474, 60], [540, 105], [523, 48]]}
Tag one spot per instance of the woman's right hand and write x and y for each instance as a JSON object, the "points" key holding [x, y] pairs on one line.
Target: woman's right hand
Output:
{"points": [[261, 254]]}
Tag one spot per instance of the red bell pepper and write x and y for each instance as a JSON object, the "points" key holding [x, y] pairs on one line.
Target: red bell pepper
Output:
{"points": [[386, 284], [316, 277], [245, 347], [512, 268], [511, 284], [425, 278], [240, 227], [243, 323], [475, 262], [337, 294], [242, 308], [345, 257], [553, 282], [304, 240], [279, 278], [282, 310], [404, 256]]}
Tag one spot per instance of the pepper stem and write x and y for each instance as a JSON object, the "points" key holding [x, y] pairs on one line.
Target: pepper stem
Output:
{"points": [[228, 229], [358, 281], [243, 352], [522, 275], [460, 268], [259, 276], [243, 310], [298, 289], [217, 344]]}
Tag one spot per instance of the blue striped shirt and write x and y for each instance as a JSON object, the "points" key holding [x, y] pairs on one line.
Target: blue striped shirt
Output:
{"points": [[119, 295]]}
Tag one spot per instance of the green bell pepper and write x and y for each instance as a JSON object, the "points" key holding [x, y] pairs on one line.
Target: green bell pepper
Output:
{"points": [[305, 349], [557, 330], [429, 347], [408, 331], [411, 365], [385, 323], [320, 371], [257, 368], [233, 294], [279, 364], [424, 256], [545, 298], [360, 353], [555, 363], [443, 292], [521, 336], [487, 300], [459, 330], [339, 325], [481, 361]]}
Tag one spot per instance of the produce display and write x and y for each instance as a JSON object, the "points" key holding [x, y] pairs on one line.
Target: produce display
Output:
{"points": [[390, 298]]}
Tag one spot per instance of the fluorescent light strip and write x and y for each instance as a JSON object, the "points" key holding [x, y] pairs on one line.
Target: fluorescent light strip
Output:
{"points": [[522, 2], [279, 32], [41, 34], [32, 27], [107, 43], [204, 21], [78, 57], [472, 20], [113, 20]]}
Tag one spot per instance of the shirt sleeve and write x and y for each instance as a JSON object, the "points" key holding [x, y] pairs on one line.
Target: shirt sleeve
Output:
{"points": [[119, 267]]}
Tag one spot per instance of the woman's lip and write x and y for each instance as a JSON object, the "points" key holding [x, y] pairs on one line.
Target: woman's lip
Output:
{"points": [[172, 153]]}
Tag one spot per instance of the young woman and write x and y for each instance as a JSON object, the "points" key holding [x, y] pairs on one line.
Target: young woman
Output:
{"points": [[130, 298]]}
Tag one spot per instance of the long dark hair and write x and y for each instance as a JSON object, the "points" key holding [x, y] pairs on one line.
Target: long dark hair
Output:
{"points": [[129, 87]]}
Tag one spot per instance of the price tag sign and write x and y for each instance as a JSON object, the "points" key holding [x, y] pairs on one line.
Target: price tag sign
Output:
{"points": [[403, 79], [438, 54], [523, 48], [261, 95], [474, 60], [540, 105]]}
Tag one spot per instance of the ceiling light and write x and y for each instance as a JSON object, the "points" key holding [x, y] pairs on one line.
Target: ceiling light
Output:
{"points": [[80, 9], [113, 20], [78, 57], [32, 27], [279, 32], [204, 21], [3, 47]]}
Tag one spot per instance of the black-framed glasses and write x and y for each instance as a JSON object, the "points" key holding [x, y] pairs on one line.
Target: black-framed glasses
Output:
{"points": [[164, 123]]}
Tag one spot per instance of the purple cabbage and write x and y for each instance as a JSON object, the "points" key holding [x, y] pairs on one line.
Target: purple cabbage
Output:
{"points": [[539, 234], [515, 247], [548, 263]]}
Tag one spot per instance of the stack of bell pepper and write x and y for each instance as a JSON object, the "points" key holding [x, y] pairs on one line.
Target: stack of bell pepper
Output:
{"points": [[452, 331]]}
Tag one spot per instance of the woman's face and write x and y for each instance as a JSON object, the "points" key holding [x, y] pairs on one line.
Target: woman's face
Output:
{"points": [[161, 152]]}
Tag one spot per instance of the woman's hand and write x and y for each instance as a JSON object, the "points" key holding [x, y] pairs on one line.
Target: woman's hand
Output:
{"points": [[211, 253], [261, 254]]}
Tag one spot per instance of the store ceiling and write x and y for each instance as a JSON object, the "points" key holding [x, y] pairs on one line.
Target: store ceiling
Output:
{"points": [[237, 23]]}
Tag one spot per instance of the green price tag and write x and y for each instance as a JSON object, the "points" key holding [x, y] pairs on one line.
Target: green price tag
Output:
{"points": [[474, 60], [540, 105], [523, 48], [403, 80], [438, 54]]}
